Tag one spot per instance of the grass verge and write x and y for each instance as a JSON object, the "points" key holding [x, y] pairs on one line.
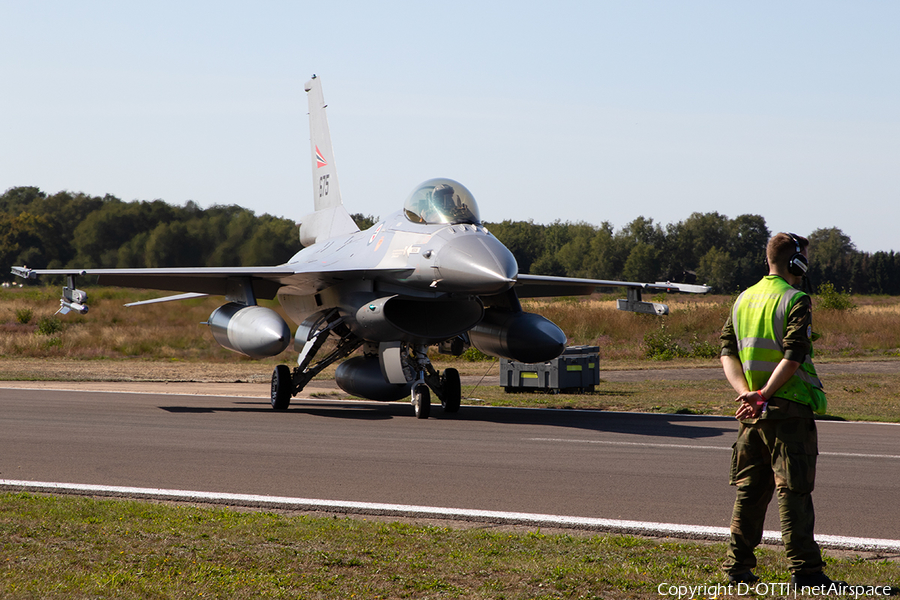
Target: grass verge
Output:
{"points": [[69, 547], [29, 327], [852, 397]]}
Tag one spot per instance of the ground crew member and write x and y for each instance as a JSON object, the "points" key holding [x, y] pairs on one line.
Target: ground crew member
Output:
{"points": [[766, 354]]}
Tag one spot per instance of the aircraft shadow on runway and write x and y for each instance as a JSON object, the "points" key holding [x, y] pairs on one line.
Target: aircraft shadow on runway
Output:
{"points": [[649, 424]]}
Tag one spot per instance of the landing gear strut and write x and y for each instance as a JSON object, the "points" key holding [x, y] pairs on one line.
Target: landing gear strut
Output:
{"points": [[286, 383], [416, 367]]}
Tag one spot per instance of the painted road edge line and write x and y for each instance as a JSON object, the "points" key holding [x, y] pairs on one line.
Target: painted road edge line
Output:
{"points": [[403, 510]]}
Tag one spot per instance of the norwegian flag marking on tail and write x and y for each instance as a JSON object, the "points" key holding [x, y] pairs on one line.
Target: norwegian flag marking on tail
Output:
{"points": [[320, 160]]}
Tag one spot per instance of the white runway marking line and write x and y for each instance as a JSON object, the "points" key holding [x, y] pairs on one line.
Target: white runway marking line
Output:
{"points": [[695, 447], [513, 518]]}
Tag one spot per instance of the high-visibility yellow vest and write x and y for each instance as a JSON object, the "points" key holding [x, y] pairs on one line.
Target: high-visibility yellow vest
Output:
{"points": [[759, 317]]}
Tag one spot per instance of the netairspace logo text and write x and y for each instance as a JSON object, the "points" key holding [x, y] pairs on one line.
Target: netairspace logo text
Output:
{"points": [[781, 590]]}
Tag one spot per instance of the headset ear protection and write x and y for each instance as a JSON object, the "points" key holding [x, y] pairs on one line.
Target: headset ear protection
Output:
{"points": [[798, 264]]}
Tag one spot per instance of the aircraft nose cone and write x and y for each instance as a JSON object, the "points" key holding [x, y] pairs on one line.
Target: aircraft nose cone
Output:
{"points": [[476, 263]]}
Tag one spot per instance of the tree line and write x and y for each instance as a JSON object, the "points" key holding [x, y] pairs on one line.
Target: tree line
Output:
{"points": [[710, 248], [67, 230]]}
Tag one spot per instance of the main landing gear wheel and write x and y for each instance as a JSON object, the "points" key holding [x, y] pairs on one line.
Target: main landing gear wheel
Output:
{"points": [[451, 390], [281, 387], [421, 400]]}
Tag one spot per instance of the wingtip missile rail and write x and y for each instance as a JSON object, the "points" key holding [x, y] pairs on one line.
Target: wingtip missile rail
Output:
{"points": [[72, 297]]}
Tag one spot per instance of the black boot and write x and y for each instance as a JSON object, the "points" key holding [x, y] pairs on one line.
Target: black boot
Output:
{"points": [[819, 580], [745, 577]]}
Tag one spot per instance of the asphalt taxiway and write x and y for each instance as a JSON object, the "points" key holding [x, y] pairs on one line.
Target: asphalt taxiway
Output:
{"points": [[622, 466]]}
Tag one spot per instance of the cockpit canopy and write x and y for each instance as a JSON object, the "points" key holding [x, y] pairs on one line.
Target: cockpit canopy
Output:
{"points": [[441, 201]]}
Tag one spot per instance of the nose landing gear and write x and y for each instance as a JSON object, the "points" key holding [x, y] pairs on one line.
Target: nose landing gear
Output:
{"points": [[446, 385], [421, 401]]}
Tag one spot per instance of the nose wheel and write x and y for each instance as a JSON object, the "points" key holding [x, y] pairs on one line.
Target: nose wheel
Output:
{"points": [[421, 400], [447, 387]]}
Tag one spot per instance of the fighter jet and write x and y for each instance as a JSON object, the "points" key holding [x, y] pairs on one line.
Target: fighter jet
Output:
{"points": [[430, 274]]}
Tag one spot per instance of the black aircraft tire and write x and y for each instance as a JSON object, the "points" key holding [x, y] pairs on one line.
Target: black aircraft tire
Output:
{"points": [[451, 390], [421, 400], [281, 387]]}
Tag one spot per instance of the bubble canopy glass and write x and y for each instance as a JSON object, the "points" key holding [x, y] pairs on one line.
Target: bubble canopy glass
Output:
{"points": [[441, 201]]}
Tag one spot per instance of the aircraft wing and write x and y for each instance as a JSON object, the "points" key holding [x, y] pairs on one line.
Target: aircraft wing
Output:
{"points": [[541, 286], [202, 280], [213, 281]]}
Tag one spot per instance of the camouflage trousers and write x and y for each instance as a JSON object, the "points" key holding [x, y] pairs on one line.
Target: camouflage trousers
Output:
{"points": [[774, 455]]}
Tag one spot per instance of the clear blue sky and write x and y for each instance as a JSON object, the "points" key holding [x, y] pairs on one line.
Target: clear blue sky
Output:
{"points": [[594, 111]]}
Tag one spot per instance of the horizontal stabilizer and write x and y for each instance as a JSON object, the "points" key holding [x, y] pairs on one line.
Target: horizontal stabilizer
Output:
{"points": [[325, 224]]}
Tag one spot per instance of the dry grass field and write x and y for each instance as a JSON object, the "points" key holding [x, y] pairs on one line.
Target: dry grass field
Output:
{"points": [[29, 328], [167, 342], [869, 331], [173, 331]]}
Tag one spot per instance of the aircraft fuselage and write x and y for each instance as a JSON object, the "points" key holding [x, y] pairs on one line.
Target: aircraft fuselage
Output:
{"points": [[421, 281]]}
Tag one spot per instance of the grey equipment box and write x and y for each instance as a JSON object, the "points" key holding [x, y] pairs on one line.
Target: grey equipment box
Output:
{"points": [[576, 369]]}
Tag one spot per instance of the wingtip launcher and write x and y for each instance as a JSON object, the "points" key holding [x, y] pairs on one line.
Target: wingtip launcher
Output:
{"points": [[634, 302], [24, 272], [72, 298]]}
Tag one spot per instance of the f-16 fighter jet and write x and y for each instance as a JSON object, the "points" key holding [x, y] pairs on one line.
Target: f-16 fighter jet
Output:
{"points": [[428, 275]]}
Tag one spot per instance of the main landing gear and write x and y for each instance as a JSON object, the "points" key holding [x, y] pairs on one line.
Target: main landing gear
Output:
{"points": [[281, 387], [316, 328], [448, 390], [416, 369]]}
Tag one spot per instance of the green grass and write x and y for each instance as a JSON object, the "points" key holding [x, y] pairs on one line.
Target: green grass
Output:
{"points": [[173, 330], [68, 547]]}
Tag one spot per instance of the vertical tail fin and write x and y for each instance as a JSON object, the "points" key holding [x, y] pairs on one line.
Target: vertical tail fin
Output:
{"points": [[327, 192], [330, 218]]}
